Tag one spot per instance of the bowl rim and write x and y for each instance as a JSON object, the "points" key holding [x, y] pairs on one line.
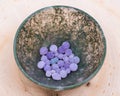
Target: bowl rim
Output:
{"points": [[58, 88]]}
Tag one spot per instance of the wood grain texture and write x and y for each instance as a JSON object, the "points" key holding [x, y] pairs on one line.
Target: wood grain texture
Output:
{"points": [[14, 83]]}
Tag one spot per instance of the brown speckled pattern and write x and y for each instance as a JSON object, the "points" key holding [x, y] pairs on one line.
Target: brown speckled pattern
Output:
{"points": [[55, 25]]}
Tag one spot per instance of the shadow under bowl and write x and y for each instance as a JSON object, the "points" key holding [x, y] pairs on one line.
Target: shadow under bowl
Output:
{"points": [[54, 25]]}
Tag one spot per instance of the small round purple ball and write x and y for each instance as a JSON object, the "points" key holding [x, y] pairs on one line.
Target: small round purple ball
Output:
{"points": [[66, 45], [68, 52], [43, 50], [73, 67], [48, 74], [41, 64], [61, 50], [53, 48], [44, 58], [50, 55], [76, 59], [63, 73], [55, 66], [60, 56], [47, 68], [60, 63], [56, 76]]}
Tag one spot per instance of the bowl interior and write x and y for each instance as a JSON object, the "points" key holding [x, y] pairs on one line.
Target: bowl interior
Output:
{"points": [[53, 25]]}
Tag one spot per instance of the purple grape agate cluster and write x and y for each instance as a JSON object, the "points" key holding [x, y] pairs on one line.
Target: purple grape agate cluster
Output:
{"points": [[58, 62]]}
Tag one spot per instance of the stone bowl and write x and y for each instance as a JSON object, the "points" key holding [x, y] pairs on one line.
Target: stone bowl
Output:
{"points": [[54, 25]]}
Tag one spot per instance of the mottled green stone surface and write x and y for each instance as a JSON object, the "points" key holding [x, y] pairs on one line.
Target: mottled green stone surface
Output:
{"points": [[53, 25]]}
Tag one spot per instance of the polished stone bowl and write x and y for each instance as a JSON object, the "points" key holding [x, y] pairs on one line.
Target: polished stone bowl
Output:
{"points": [[54, 25]]}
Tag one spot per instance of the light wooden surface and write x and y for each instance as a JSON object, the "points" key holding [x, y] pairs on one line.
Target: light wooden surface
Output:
{"points": [[105, 83]]}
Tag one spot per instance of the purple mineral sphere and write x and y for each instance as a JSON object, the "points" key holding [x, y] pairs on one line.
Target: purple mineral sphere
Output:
{"points": [[66, 65], [76, 59], [41, 64], [55, 66], [60, 56], [50, 55], [63, 73], [43, 50], [66, 45], [61, 50], [47, 62], [60, 63], [48, 74], [66, 59], [44, 58], [56, 76], [68, 70], [53, 48], [47, 68], [73, 67], [68, 52]]}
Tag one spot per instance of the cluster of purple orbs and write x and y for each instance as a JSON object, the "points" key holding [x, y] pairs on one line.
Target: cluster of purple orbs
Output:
{"points": [[58, 62]]}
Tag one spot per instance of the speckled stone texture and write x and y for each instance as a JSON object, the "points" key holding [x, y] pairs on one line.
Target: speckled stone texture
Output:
{"points": [[53, 25]]}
